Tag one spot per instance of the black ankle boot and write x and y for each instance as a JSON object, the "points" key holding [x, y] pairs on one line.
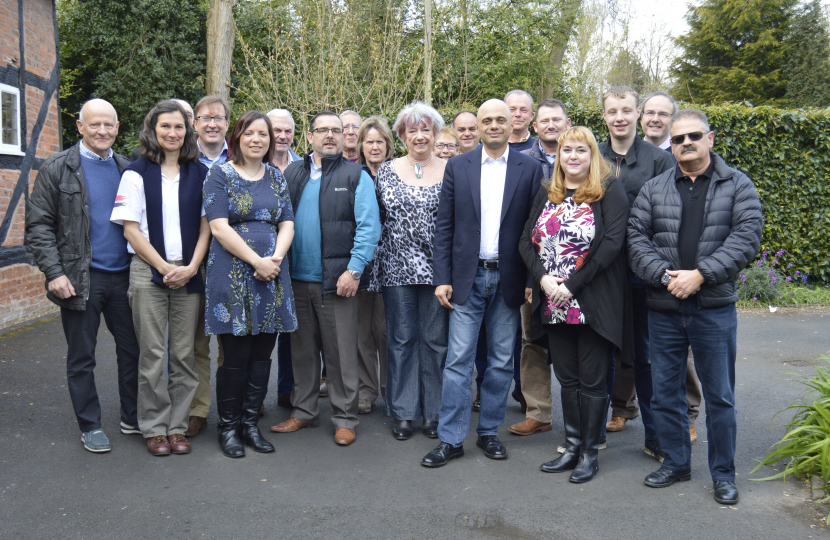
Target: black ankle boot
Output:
{"points": [[591, 417], [570, 413], [230, 384], [257, 386]]}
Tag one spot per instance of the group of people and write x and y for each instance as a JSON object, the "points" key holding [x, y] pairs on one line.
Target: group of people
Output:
{"points": [[481, 251]]}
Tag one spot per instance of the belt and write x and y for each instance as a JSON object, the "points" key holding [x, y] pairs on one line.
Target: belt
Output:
{"points": [[489, 264]]}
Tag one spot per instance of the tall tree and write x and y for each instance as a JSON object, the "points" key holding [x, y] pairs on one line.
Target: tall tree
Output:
{"points": [[221, 36], [735, 50], [808, 70]]}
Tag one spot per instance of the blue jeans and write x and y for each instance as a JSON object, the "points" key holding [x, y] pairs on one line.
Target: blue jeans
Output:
{"points": [[481, 357], [485, 303], [416, 349], [285, 373], [712, 334]]}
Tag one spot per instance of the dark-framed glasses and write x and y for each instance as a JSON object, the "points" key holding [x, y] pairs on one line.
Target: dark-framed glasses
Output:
{"points": [[448, 146], [209, 119], [324, 131], [693, 136]]}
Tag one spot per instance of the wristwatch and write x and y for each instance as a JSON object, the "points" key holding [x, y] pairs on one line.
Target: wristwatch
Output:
{"points": [[665, 280], [354, 273]]}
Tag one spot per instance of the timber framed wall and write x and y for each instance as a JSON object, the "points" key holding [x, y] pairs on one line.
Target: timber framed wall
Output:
{"points": [[29, 133]]}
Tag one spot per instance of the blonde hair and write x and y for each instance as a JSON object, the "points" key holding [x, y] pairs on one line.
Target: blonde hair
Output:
{"points": [[450, 132], [593, 187]]}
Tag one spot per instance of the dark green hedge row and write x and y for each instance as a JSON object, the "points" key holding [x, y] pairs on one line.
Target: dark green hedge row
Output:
{"points": [[787, 154]]}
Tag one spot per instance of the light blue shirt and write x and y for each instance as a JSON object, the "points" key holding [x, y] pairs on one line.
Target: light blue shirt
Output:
{"points": [[221, 158]]}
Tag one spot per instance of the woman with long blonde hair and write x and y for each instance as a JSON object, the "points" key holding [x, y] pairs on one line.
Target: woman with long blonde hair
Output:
{"points": [[573, 245]]}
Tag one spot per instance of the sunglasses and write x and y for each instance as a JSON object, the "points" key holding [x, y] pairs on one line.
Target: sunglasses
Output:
{"points": [[693, 136]]}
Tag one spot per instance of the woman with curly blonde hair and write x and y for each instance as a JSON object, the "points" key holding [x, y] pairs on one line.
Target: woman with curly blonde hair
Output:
{"points": [[573, 246]]}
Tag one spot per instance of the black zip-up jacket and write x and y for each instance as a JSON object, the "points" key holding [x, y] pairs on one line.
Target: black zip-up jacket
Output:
{"points": [[536, 152], [337, 219], [732, 228], [641, 163], [57, 223]]}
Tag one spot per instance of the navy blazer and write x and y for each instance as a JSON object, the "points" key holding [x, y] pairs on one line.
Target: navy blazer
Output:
{"points": [[458, 225]]}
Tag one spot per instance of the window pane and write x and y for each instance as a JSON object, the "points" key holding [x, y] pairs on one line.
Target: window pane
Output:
{"points": [[8, 117]]}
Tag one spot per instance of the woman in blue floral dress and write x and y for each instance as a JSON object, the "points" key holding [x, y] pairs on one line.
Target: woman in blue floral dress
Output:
{"points": [[248, 297], [572, 245]]}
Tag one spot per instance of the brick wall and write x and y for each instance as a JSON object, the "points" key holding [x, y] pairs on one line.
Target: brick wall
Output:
{"points": [[22, 294]]}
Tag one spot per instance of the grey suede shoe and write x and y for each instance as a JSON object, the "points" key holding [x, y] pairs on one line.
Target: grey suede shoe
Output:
{"points": [[96, 441]]}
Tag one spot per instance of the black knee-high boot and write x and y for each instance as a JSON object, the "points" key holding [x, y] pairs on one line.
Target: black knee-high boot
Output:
{"points": [[591, 417], [257, 386], [571, 415], [230, 386]]}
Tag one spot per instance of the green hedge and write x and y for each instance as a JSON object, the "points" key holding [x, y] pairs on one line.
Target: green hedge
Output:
{"points": [[787, 154]]}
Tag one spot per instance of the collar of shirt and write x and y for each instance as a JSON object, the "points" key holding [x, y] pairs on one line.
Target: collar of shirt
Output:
{"points": [[316, 172], [708, 173], [485, 157], [550, 157], [89, 154], [222, 157], [665, 144]]}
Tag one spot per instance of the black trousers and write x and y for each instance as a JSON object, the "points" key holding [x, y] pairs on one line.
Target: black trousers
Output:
{"points": [[242, 350], [580, 358], [107, 296]]}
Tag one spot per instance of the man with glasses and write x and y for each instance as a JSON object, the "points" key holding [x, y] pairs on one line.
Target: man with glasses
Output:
{"points": [[691, 230], [336, 231], [634, 162], [211, 124], [351, 125], [465, 124]]}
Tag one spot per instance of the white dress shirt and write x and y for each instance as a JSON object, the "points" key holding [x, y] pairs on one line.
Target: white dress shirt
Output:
{"points": [[131, 205], [493, 173]]}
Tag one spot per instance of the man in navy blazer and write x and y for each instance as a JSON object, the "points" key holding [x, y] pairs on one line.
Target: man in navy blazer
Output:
{"points": [[479, 275]]}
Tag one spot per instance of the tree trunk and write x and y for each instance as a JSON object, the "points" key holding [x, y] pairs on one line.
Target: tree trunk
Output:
{"points": [[428, 52], [570, 12], [221, 33]]}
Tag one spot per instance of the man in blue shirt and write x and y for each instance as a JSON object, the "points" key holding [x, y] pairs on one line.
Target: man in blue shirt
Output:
{"points": [[336, 230]]}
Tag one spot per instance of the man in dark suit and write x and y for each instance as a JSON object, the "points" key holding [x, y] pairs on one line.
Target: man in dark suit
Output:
{"points": [[479, 275]]}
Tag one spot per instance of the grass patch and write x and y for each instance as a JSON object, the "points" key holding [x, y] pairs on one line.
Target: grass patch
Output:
{"points": [[794, 295]]}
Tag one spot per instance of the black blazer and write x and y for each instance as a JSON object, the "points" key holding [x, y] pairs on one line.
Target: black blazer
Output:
{"points": [[458, 225], [600, 285]]}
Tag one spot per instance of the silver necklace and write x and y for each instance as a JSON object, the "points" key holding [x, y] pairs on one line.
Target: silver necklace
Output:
{"points": [[419, 170]]}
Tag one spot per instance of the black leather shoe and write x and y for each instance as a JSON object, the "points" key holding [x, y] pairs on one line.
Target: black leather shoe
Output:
{"points": [[520, 398], [665, 477], [726, 492], [430, 429], [493, 448], [477, 403], [441, 455], [402, 429]]}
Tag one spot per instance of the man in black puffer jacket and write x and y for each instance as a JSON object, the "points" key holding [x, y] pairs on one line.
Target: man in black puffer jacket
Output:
{"points": [[691, 230]]}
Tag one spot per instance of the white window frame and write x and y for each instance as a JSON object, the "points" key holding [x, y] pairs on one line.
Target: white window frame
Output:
{"points": [[11, 149]]}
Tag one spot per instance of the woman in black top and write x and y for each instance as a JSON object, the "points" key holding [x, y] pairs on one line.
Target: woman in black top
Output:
{"points": [[572, 245]]}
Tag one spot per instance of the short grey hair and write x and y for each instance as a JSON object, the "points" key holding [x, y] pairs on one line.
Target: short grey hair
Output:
{"points": [[282, 113], [691, 113], [349, 111], [415, 113], [659, 93], [521, 93]]}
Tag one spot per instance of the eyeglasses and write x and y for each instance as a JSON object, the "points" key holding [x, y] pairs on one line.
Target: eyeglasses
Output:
{"points": [[351, 126], [693, 136], [661, 115], [324, 131], [448, 146], [209, 119]]}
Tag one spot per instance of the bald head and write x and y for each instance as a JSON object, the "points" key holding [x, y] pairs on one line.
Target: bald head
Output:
{"points": [[98, 125], [188, 110], [494, 126]]}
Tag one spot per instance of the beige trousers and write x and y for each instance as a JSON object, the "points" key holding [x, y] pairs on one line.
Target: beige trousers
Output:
{"points": [[535, 373]]}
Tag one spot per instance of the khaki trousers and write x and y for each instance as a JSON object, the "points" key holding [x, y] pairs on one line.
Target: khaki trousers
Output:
{"points": [[534, 373], [201, 399], [329, 324], [163, 402], [371, 345], [694, 393]]}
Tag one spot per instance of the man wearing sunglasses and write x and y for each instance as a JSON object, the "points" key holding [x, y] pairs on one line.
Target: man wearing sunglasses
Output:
{"points": [[635, 162], [691, 230]]}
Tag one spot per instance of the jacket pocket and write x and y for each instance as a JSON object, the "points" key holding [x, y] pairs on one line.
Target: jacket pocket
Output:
{"points": [[71, 200]]}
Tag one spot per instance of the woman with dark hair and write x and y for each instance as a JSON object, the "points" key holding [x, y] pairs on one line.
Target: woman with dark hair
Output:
{"points": [[248, 298], [572, 244], [159, 203]]}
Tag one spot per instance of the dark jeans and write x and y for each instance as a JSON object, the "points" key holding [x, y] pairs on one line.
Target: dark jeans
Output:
{"points": [[581, 359], [712, 334], [285, 373], [417, 327], [481, 358], [107, 296]]}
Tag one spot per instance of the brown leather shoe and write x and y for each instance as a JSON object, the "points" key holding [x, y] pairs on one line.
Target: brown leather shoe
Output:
{"points": [[529, 426], [344, 436], [179, 444], [617, 423], [477, 402], [324, 387], [693, 434], [158, 445], [289, 426], [284, 401], [195, 425]]}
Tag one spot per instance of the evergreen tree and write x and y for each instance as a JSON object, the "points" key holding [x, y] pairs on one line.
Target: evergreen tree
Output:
{"points": [[808, 70], [735, 50]]}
